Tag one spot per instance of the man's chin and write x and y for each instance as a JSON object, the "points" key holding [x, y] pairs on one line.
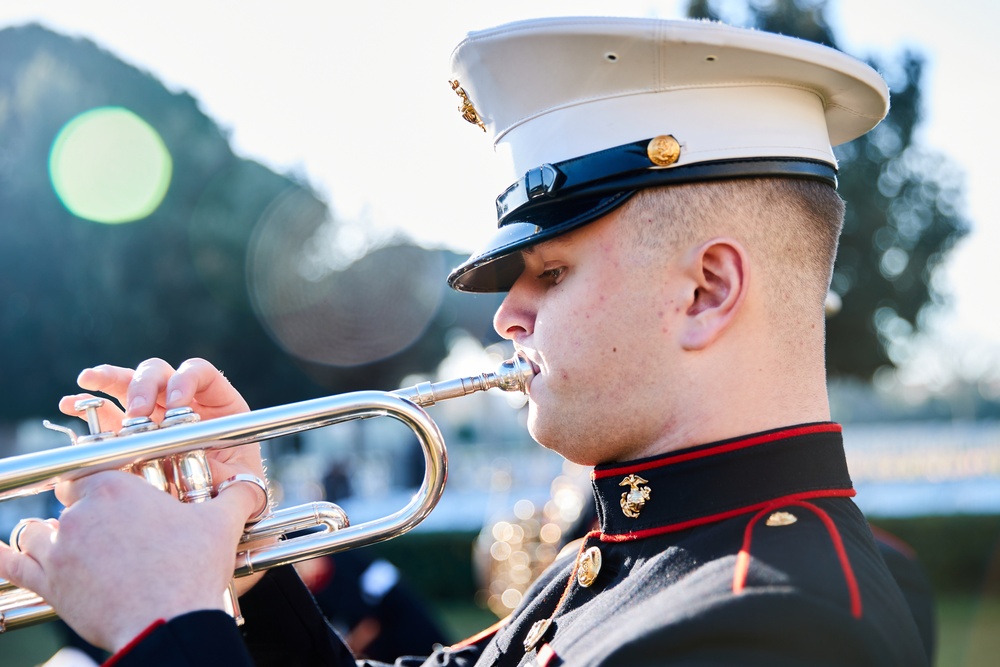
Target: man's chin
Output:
{"points": [[537, 427], [557, 438]]}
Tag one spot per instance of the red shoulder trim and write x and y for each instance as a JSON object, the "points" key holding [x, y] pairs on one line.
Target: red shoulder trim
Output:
{"points": [[480, 636], [826, 427], [135, 642], [885, 537], [743, 558]]}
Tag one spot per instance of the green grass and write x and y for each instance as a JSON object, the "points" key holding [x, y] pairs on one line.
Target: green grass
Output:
{"points": [[29, 646], [968, 631]]}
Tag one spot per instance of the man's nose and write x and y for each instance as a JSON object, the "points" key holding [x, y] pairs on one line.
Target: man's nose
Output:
{"points": [[515, 318]]}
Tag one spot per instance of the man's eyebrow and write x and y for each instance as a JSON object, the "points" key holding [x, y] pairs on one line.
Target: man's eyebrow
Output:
{"points": [[558, 242]]}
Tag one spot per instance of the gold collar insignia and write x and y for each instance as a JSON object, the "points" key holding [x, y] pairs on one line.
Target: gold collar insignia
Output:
{"points": [[633, 500]]}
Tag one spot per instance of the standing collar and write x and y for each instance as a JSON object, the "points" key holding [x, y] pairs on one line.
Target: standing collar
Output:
{"points": [[708, 483]]}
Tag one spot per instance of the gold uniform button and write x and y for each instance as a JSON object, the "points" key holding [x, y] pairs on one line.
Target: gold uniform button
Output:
{"points": [[663, 150], [588, 566], [537, 633], [781, 519]]}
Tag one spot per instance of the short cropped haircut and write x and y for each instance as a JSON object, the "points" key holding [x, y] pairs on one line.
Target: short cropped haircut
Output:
{"points": [[789, 226]]}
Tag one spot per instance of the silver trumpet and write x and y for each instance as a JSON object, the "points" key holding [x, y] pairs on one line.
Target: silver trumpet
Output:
{"points": [[143, 447]]}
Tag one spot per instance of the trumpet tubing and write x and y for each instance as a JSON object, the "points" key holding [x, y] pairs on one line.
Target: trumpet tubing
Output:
{"points": [[142, 449]]}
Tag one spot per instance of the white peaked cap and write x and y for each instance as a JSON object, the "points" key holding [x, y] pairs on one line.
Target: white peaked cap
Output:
{"points": [[556, 94]]}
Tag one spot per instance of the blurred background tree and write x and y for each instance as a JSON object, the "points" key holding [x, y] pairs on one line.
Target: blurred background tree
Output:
{"points": [[175, 284], [904, 202]]}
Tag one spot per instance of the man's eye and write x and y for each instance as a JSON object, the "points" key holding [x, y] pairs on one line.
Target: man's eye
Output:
{"points": [[553, 276]]}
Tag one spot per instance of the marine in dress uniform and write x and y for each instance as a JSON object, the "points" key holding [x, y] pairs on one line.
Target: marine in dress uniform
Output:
{"points": [[744, 551]]}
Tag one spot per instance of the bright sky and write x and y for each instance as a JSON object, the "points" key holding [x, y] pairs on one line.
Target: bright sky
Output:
{"points": [[355, 97]]}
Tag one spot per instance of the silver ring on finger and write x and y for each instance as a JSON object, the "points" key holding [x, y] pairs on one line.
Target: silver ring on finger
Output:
{"points": [[15, 534], [265, 505]]}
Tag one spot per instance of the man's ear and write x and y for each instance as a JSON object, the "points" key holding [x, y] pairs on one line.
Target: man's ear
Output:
{"points": [[719, 272]]}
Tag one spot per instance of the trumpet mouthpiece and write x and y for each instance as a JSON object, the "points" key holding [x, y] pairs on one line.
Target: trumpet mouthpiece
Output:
{"points": [[513, 374]]}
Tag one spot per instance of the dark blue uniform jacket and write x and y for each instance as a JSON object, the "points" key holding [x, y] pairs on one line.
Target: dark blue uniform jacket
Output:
{"points": [[742, 552]]}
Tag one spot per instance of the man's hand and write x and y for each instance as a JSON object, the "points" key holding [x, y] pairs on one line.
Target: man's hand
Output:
{"points": [[155, 387], [124, 554]]}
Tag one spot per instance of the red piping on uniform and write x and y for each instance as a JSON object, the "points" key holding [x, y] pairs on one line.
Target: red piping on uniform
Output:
{"points": [[135, 642], [720, 449], [545, 655], [711, 518], [478, 637], [743, 558]]}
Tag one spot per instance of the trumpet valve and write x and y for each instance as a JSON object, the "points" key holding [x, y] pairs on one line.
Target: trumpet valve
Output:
{"points": [[90, 406], [193, 479], [134, 425], [178, 416], [152, 471], [192, 476]]}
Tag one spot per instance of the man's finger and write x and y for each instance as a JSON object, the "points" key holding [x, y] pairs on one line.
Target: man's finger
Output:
{"points": [[148, 388], [108, 481], [34, 537], [243, 496], [22, 570], [107, 379], [198, 380]]}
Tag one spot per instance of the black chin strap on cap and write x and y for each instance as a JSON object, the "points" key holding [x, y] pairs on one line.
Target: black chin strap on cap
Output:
{"points": [[553, 199]]}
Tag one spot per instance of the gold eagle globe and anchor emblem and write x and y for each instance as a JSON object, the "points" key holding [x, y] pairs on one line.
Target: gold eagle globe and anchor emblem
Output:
{"points": [[635, 498], [469, 112]]}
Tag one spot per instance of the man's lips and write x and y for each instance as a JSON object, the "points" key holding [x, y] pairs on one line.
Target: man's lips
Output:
{"points": [[534, 365], [535, 368]]}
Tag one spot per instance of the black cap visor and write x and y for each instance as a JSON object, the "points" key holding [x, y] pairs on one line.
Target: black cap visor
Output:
{"points": [[499, 265], [554, 199]]}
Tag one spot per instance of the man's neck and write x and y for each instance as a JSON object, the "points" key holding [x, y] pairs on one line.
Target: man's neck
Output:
{"points": [[745, 398]]}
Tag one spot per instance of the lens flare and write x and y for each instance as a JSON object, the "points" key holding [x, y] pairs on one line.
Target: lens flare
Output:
{"points": [[109, 165], [328, 302]]}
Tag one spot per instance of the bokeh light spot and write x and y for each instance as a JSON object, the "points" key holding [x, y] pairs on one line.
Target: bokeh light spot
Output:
{"points": [[328, 302], [109, 165]]}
